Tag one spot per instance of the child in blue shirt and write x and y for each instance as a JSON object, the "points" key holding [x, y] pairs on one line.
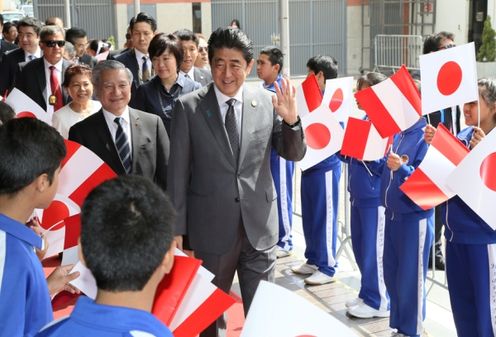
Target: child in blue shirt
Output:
{"points": [[30, 157], [269, 67], [470, 241], [408, 234], [126, 242], [367, 227]]}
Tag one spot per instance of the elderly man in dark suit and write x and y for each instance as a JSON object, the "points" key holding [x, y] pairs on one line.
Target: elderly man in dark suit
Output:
{"points": [[136, 59], [130, 141], [219, 176], [29, 40], [189, 44], [42, 78]]}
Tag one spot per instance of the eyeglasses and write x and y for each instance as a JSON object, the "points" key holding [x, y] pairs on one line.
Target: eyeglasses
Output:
{"points": [[53, 43], [448, 46], [202, 49]]}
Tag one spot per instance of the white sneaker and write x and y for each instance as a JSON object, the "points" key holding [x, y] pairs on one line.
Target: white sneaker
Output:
{"points": [[304, 269], [353, 302], [318, 278], [281, 252], [364, 311]]}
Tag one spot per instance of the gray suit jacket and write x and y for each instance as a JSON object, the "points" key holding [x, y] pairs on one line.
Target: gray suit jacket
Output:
{"points": [[150, 152], [211, 192], [202, 76]]}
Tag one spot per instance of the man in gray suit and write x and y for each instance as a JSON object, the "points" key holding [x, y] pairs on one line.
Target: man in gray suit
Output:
{"points": [[219, 173], [128, 140]]}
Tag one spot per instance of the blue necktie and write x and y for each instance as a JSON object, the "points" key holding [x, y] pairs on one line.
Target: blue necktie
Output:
{"points": [[122, 145]]}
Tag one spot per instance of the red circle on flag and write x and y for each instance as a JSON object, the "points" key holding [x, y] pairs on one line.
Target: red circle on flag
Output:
{"points": [[318, 136], [336, 100], [305, 336], [488, 171], [449, 78], [56, 212], [24, 114]]}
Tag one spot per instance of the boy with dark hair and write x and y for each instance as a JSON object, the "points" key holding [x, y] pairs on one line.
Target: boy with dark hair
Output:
{"points": [[189, 44], [30, 152], [319, 199], [126, 242], [269, 67]]}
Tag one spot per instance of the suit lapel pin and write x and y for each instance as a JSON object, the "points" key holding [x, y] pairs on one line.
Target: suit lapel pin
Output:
{"points": [[254, 103]]}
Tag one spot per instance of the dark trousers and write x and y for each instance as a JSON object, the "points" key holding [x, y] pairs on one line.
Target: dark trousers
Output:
{"points": [[252, 266]]}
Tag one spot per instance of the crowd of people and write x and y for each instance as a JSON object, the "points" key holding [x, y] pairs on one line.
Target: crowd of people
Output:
{"points": [[206, 163]]}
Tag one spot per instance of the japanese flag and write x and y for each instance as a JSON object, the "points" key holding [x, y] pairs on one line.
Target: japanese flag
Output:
{"points": [[449, 77], [276, 311], [338, 96], [474, 180], [427, 186], [392, 105], [308, 96], [52, 221], [362, 141], [24, 106], [324, 136]]}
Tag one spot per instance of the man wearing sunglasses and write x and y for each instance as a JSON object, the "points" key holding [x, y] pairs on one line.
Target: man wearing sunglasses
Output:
{"points": [[41, 78]]}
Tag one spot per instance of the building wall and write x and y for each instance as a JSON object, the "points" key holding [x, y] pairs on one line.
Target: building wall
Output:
{"points": [[354, 37], [453, 16], [171, 15]]}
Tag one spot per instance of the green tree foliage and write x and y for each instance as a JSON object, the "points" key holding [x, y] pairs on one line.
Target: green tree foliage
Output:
{"points": [[487, 51]]}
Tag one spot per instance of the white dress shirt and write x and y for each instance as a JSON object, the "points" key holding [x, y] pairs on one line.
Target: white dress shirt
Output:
{"points": [[238, 107], [125, 122], [48, 88]]}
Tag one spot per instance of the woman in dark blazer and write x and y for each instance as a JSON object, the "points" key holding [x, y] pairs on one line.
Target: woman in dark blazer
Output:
{"points": [[159, 95]]}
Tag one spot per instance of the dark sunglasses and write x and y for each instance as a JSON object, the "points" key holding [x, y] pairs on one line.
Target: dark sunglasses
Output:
{"points": [[203, 49], [53, 43]]}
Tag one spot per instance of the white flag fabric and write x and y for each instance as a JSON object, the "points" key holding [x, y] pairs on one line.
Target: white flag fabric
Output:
{"points": [[323, 134], [392, 105], [474, 180], [338, 96], [24, 106], [276, 311], [448, 78]]}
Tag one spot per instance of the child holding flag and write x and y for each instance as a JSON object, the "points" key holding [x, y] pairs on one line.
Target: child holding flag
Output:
{"points": [[409, 234], [470, 248], [127, 243], [367, 227], [30, 157]]}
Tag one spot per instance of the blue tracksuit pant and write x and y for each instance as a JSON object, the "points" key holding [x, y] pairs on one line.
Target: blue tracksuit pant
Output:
{"points": [[282, 174], [471, 272], [367, 238], [319, 206], [407, 245]]}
